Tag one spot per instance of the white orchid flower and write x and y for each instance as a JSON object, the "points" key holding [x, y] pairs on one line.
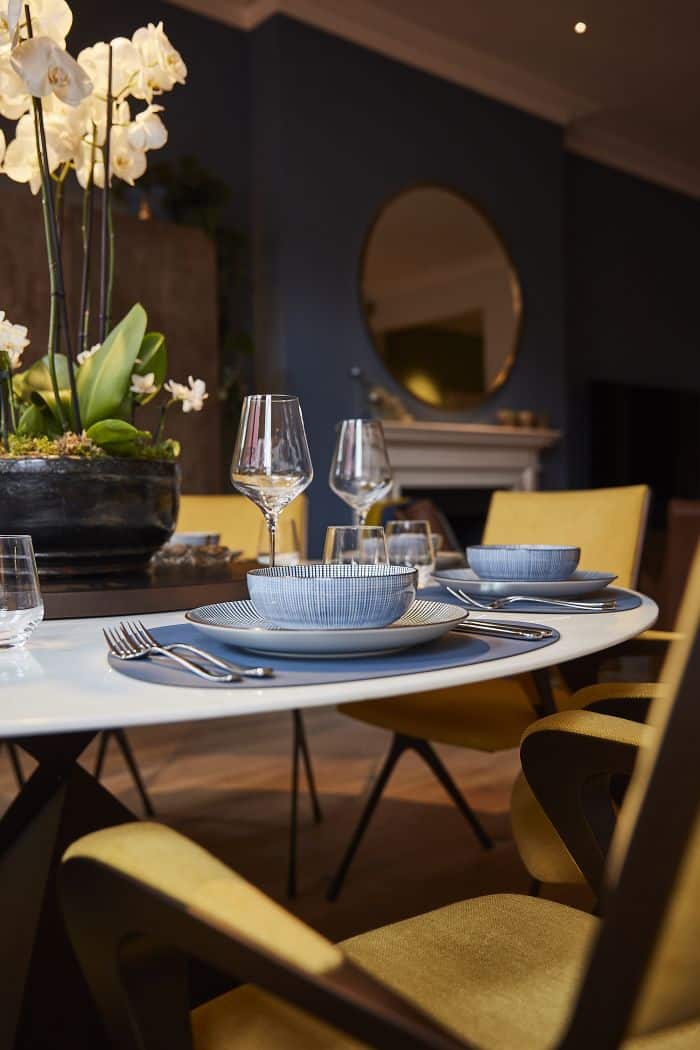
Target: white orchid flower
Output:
{"points": [[15, 100], [148, 131], [13, 340], [84, 355], [126, 162], [192, 396], [162, 65], [21, 158], [143, 384], [52, 18], [47, 69], [126, 67]]}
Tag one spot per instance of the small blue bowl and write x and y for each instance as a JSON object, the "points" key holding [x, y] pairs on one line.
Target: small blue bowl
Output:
{"points": [[327, 596], [532, 562]]}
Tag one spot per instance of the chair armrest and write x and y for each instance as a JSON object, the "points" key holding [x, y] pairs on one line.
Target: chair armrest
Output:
{"points": [[623, 699], [139, 899], [568, 760]]}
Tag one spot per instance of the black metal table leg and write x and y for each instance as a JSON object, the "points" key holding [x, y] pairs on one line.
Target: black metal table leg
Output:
{"points": [[304, 748], [45, 1002]]}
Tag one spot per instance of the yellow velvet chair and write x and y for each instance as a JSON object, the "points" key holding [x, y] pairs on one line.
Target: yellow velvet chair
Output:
{"points": [[608, 525], [542, 849], [237, 520], [500, 972]]}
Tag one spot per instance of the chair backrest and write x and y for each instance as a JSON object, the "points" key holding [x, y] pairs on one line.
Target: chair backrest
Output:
{"points": [[682, 535], [237, 520], [644, 972], [607, 524]]}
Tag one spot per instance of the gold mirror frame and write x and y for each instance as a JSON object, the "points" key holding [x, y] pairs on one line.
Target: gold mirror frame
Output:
{"points": [[461, 400]]}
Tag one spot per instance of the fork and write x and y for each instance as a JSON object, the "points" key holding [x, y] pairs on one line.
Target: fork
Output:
{"points": [[124, 647], [141, 632], [502, 603]]}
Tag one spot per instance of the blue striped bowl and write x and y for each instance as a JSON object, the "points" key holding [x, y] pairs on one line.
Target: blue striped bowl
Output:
{"points": [[533, 562], [332, 596]]}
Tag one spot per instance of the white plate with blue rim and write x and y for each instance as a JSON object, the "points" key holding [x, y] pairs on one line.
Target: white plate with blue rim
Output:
{"points": [[238, 624], [582, 582]]}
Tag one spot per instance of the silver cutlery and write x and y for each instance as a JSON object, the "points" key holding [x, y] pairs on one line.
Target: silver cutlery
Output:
{"points": [[493, 605], [140, 630], [124, 646], [500, 630]]}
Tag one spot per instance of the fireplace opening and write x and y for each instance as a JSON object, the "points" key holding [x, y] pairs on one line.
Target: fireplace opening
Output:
{"points": [[465, 510]]}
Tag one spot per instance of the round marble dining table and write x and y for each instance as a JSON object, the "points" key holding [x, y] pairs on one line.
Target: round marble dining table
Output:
{"points": [[62, 682], [60, 691]]}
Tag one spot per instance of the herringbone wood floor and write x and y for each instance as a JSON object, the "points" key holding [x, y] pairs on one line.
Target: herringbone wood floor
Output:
{"points": [[225, 784]]}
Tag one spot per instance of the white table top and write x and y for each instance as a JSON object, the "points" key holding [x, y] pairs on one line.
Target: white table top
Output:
{"points": [[62, 681]]}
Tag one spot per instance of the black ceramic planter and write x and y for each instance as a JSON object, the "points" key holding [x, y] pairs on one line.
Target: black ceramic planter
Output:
{"points": [[89, 516]]}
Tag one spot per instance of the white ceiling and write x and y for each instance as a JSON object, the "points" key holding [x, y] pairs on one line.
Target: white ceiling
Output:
{"points": [[627, 91]]}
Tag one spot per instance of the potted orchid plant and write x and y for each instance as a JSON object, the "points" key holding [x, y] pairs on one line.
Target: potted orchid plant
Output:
{"points": [[69, 422]]}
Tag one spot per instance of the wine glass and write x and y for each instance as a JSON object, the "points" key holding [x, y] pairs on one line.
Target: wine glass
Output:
{"points": [[355, 545], [411, 543], [360, 472], [271, 462]]}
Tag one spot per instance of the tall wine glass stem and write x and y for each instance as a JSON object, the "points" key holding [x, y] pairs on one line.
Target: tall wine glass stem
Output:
{"points": [[271, 520], [359, 517]]}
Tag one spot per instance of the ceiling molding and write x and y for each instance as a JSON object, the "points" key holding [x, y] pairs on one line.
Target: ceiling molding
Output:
{"points": [[618, 152], [397, 37]]}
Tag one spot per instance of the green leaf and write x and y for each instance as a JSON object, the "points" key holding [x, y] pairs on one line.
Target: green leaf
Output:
{"points": [[38, 377], [47, 398], [37, 422], [118, 437], [104, 379], [153, 357]]}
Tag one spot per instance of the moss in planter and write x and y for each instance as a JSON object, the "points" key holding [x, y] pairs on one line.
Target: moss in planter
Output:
{"points": [[82, 447]]}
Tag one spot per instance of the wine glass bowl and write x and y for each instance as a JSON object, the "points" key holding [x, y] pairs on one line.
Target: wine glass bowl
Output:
{"points": [[360, 472], [271, 462], [355, 545]]}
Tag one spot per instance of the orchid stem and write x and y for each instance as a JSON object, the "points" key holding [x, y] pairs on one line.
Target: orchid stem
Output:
{"points": [[58, 291], [88, 202], [5, 395], [106, 240]]}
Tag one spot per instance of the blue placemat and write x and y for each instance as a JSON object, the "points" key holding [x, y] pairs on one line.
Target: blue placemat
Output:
{"points": [[624, 601], [452, 650]]}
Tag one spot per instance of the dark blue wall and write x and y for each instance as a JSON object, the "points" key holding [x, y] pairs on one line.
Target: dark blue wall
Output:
{"points": [[209, 117], [632, 291], [315, 134], [338, 130]]}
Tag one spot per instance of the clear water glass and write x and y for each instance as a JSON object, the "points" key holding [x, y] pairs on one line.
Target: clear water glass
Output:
{"points": [[410, 543], [355, 545], [271, 461], [21, 606], [360, 472]]}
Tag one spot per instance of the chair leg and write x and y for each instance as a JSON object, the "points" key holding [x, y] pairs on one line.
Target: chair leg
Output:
{"points": [[398, 746], [310, 780], [15, 763], [430, 757], [125, 748], [293, 819], [101, 752]]}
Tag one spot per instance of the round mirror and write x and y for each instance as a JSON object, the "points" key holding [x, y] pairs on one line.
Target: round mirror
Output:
{"points": [[441, 298]]}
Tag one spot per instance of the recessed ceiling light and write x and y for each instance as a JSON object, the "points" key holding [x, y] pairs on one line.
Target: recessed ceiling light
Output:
{"points": [[580, 27]]}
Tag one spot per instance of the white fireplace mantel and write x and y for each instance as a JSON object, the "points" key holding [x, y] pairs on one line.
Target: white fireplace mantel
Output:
{"points": [[465, 455]]}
